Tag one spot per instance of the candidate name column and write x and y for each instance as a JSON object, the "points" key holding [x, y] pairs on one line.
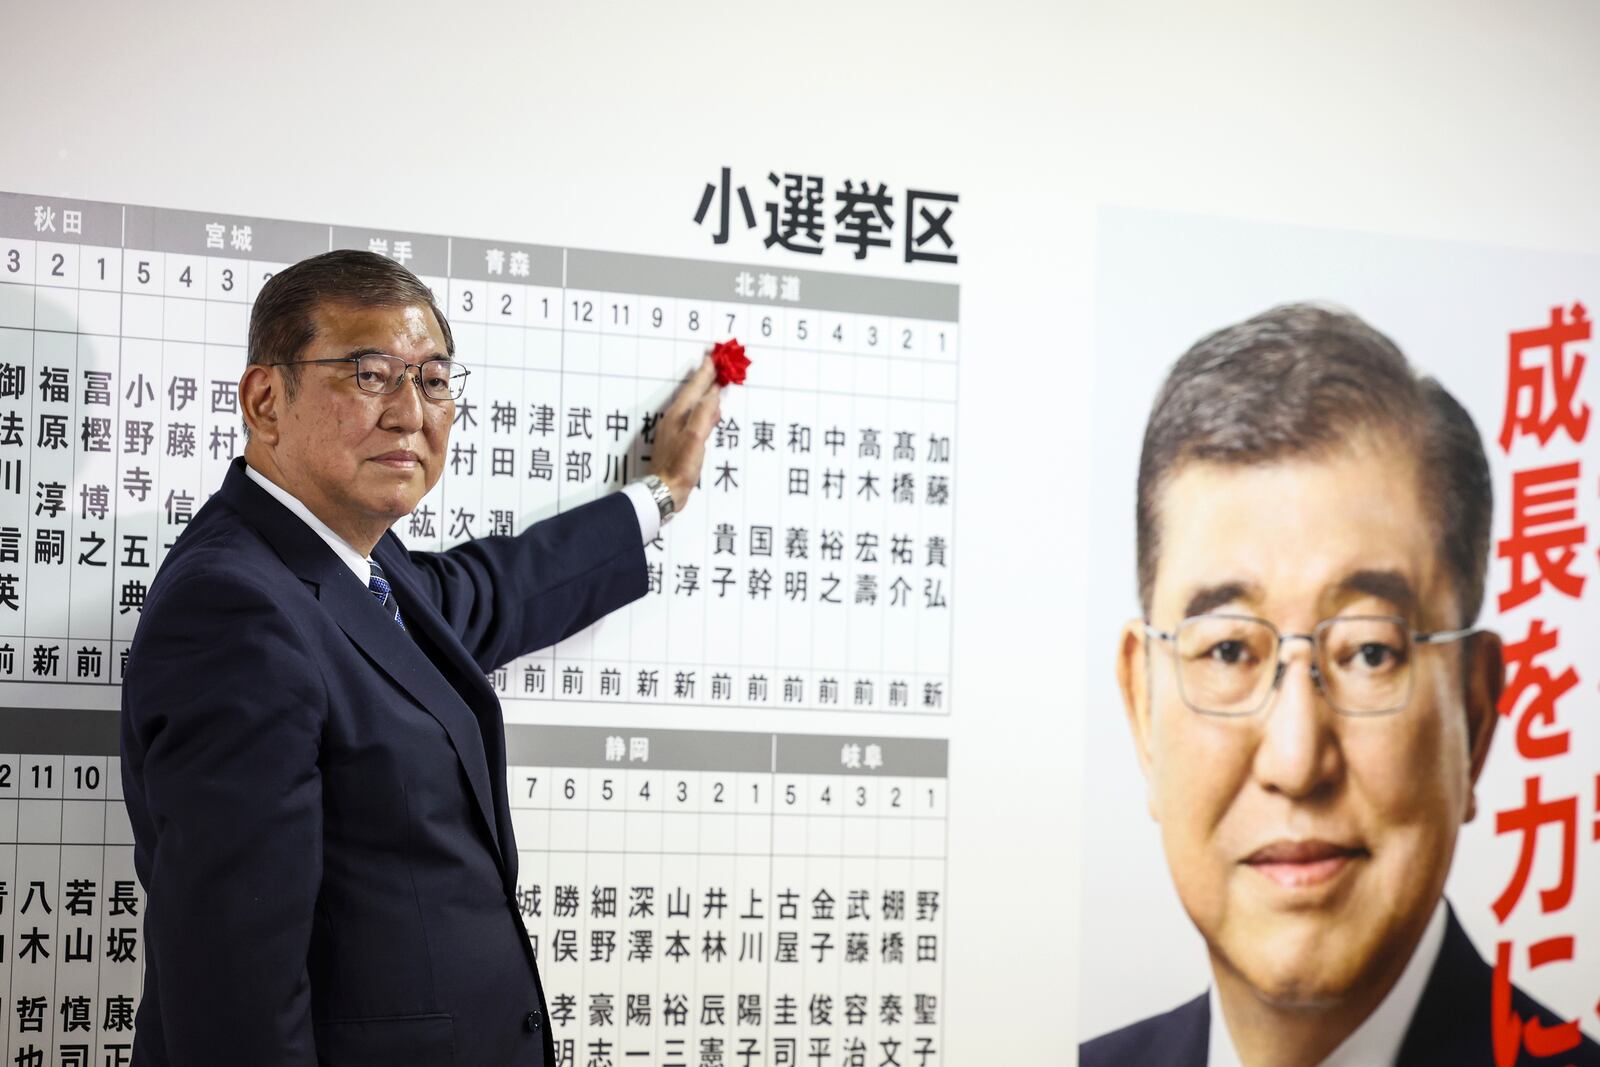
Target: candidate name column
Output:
{"points": [[88, 247], [930, 557], [673, 557], [16, 368]]}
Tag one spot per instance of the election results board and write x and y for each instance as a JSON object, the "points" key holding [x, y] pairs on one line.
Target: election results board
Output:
{"points": [[693, 897], [812, 571]]}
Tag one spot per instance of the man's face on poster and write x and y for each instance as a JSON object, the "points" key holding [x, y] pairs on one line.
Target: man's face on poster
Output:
{"points": [[1308, 846]]}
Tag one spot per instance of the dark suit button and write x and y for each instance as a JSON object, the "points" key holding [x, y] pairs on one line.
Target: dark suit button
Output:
{"points": [[534, 1020]]}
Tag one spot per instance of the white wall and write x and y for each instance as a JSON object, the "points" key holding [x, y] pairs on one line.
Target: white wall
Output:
{"points": [[596, 124]]}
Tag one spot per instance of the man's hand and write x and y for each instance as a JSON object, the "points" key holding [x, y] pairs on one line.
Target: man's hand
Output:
{"points": [[680, 447]]}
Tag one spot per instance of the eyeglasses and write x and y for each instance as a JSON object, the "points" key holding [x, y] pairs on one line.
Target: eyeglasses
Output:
{"points": [[380, 373], [1228, 665]]}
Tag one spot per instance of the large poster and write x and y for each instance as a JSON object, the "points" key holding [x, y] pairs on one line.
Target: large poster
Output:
{"points": [[1262, 838]]}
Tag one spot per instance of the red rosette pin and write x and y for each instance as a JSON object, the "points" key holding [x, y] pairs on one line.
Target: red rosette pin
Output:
{"points": [[731, 363]]}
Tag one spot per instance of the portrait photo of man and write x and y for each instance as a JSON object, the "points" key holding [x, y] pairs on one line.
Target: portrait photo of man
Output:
{"points": [[1312, 701]]}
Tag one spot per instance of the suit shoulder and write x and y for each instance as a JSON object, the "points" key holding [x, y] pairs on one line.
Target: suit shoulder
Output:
{"points": [[217, 574], [1175, 1037], [217, 550], [1453, 1024]]}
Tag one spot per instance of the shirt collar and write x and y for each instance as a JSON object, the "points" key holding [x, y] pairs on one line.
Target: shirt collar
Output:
{"points": [[359, 565], [1376, 1042]]}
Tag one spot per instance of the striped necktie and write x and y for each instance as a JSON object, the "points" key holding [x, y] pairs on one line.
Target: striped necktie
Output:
{"points": [[379, 585]]}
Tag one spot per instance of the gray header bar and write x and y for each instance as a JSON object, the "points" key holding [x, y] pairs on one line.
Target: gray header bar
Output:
{"points": [[693, 279], [77, 732], [677, 750], [499, 261], [897, 757], [56, 218], [420, 253], [60, 731], [276, 241], [200, 233], [708, 750]]}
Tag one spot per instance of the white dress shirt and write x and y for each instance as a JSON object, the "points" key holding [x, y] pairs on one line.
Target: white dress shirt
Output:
{"points": [[644, 506], [1376, 1042]]}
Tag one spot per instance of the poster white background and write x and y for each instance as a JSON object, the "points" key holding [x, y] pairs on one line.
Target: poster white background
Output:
{"points": [[598, 124]]}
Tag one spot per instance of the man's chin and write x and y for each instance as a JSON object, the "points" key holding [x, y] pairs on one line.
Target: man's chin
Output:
{"points": [[397, 493], [1308, 993], [392, 507], [1299, 970]]}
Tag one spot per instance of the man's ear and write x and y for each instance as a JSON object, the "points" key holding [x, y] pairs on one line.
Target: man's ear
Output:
{"points": [[1486, 681], [261, 402], [1133, 678]]}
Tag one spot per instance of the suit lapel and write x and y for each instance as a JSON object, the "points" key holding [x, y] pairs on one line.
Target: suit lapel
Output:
{"points": [[460, 671], [358, 614], [1191, 1032], [1451, 1026]]}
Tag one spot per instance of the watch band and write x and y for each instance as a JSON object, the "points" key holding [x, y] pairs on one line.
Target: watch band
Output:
{"points": [[665, 505]]}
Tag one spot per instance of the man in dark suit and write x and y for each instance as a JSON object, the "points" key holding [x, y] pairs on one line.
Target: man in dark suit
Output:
{"points": [[1312, 706], [313, 763]]}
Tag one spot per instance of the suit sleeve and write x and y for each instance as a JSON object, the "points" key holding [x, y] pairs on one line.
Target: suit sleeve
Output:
{"points": [[508, 596], [223, 707]]}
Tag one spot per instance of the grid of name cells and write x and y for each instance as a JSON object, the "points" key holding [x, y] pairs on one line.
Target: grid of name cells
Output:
{"points": [[694, 899], [811, 569], [734, 899], [812, 566], [71, 951]]}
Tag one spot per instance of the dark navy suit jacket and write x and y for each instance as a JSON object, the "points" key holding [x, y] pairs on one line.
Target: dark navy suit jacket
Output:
{"points": [[318, 799], [1451, 1027]]}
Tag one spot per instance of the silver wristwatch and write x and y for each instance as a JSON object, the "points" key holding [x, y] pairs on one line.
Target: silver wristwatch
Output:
{"points": [[665, 505]]}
